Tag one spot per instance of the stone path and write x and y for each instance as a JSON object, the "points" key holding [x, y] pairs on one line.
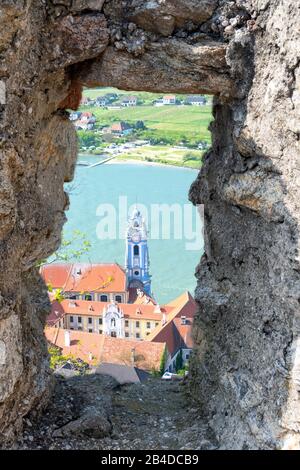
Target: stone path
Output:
{"points": [[94, 412]]}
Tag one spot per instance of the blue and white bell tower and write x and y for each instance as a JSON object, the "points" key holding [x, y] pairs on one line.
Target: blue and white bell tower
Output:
{"points": [[137, 254]]}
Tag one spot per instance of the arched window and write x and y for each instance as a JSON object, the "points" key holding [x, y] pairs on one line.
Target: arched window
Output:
{"points": [[118, 298], [113, 322], [103, 298], [136, 250]]}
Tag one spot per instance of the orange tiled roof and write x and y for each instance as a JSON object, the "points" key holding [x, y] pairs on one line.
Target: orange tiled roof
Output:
{"points": [[169, 97], [95, 348], [85, 277], [119, 351], [172, 332], [56, 314], [95, 308], [85, 346], [134, 298]]}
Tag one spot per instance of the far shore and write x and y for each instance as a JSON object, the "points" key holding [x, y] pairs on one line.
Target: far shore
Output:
{"points": [[131, 161], [115, 161]]}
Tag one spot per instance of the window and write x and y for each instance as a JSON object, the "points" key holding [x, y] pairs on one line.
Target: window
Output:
{"points": [[90, 320], [137, 324], [79, 319], [100, 321], [90, 330], [136, 273], [79, 328], [118, 298], [137, 335], [103, 298], [136, 250], [126, 334], [100, 332], [73, 297], [113, 334], [127, 323], [71, 319], [88, 297], [113, 322], [148, 324], [156, 323]]}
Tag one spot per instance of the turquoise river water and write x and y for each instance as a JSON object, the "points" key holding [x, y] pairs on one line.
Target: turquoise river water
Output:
{"points": [[100, 198]]}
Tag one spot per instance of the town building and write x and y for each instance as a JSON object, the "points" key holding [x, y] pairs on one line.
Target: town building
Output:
{"points": [[105, 303], [96, 349], [196, 100], [176, 332], [86, 281], [132, 321], [129, 101], [137, 262], [121, 128], [169, 99]]}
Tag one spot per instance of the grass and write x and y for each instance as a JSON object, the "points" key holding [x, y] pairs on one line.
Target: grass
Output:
{"points": [[168, 124], [166, 155], [175, 122]]}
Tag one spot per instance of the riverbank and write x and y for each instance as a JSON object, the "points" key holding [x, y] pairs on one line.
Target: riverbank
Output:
{"points": [[117, 161], [152, 154]]}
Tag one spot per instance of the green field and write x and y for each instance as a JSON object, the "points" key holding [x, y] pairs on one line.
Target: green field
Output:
{"points": [[165, 155], [175, 122], [167, 125]]}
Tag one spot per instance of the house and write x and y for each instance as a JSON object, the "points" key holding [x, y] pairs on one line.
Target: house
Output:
{"points": [[96, 349], [159, 102], [169, 99], [74, 116], [86, 281], [176, 331], [122, 373], [88, 117], [196, 100], [121, 128], [102, 101], [129, 101], [122, 320]]}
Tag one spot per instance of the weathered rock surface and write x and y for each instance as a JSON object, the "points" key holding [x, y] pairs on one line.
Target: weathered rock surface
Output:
{"points": [[153, 415], [245, 370]]}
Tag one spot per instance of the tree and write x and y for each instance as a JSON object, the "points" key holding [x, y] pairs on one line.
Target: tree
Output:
{"points": [[163, 362], [179, 361], [67, 252]]}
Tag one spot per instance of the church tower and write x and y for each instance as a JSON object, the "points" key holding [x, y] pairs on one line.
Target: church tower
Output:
{"points": [[137, 255]]}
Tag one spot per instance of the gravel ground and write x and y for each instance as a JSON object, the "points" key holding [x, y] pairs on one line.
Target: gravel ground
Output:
{"points": [[95, 412]]}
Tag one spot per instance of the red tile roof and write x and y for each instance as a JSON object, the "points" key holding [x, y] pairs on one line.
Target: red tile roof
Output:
{"points": [[147, 356], [95, 348], [56, 314], [134, 298], [85, 277], [172, 333], [95, 308]]}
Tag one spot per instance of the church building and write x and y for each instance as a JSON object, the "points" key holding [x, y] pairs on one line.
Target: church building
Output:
{"points": [[137, 255]]}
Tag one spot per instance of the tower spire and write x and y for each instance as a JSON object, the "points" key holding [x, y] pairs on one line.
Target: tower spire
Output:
{"points": [[137, 254]]}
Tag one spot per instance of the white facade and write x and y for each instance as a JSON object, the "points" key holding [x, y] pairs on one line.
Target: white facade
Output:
{"points": [[113, 321]]}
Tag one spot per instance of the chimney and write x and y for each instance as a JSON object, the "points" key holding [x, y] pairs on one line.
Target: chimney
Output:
{"points": [[157, 309], [67, 339]]}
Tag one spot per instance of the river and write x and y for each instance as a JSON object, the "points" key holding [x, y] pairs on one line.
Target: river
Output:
{"points": [[111, 188]]}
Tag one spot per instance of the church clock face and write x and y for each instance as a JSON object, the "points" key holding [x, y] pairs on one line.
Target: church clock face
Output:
{"points": [[136, 237]]}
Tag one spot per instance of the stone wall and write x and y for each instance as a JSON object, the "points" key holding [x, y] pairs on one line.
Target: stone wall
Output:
{"points": [[244, 371]]}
